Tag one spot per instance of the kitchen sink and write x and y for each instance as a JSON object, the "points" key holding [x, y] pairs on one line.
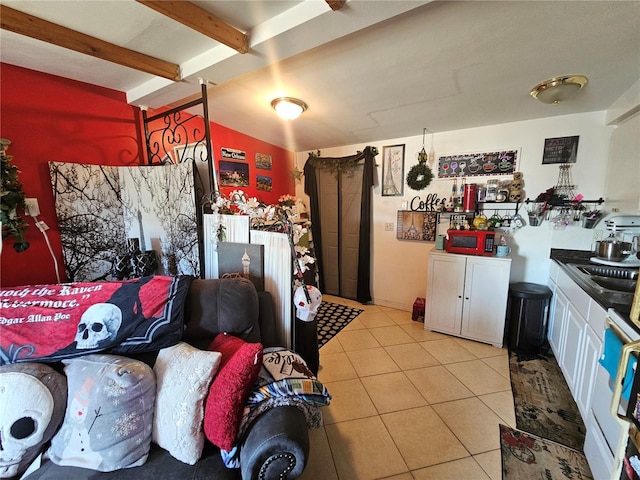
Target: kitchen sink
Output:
{"points": [[614, 284], [612, 272], [618, 284]]}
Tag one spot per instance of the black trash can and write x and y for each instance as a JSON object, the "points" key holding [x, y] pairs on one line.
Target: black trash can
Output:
{"points": [[528, 317]]}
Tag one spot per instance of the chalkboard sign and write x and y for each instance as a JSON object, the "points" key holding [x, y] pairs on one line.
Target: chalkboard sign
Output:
{"points": [[477, 164], [560, 150]]}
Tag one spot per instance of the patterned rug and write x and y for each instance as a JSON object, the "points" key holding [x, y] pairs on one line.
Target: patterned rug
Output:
{"points": [[526, 456], [543, 403], [332, 318]]}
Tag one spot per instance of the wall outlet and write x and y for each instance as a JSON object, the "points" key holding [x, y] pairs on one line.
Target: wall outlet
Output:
{"points": [[388, 227], [31, 207], [597, 235]]}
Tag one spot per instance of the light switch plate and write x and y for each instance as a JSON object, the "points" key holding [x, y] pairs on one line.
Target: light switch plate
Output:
{"points": [[388, 227]]}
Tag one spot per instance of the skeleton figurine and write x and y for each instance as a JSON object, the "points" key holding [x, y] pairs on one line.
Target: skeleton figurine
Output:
{"points": [[98, 323], [306, 311], [33, 399]]}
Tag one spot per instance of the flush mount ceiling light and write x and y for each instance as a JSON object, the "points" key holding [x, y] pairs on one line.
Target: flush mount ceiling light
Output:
{"points": [[288, 108], [558, 89]]}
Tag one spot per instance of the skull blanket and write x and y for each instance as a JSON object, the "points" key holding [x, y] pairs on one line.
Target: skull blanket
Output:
{"points": [[48, 323]]}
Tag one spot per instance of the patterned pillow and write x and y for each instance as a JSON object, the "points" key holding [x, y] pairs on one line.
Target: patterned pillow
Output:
{"points": [[241, 362], [107, 425], [183, 377]]}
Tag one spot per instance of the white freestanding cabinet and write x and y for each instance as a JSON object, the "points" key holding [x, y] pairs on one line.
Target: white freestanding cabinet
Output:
{"points": [[467, 296]]}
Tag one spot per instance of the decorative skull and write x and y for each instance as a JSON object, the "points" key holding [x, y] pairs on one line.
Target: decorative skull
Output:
{"points": [[516, 184], [515, 196], [517, 175], [306, 311], [98, 323], [32, 406]]}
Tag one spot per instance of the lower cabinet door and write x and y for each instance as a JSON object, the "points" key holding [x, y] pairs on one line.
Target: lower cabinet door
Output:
{"points": [[445, 287], [485, 300], [591, 350], [572, 360], [558, 327]]}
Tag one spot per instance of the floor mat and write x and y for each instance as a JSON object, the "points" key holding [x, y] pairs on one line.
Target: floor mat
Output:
{"points": [[543, 403], [333, 317], [526, 456]]}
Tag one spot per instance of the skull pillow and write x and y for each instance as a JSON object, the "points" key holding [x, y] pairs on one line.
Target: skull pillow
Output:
{"points": [[306, 311], [33, 399], [98, 323]]}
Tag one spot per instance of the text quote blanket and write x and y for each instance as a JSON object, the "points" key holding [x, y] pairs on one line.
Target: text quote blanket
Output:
{"points": [[48, 323]]}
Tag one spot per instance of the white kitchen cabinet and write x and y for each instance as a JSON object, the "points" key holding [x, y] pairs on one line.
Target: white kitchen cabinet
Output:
{"points": [[573, 354], [558, 327], [591, 351], [467, 296]]}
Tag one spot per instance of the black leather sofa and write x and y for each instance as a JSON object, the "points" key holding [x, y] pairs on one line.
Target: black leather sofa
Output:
{"points": [[277, 444]]}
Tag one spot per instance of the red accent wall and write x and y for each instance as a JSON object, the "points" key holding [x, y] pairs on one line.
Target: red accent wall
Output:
{"points": [[50, 118]]}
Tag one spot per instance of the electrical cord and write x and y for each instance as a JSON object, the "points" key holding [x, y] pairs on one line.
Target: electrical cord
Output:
{"points": [[43, 227]]}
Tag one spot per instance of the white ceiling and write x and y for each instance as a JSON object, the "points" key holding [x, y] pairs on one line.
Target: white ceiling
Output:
{"points": [[373, 70]]}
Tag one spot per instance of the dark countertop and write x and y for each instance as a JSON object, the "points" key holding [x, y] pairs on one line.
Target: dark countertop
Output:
{"points": [[565, 257]]}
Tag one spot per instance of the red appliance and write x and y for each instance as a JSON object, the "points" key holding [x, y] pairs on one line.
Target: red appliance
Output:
{"points": [[470, 242], [470, 196]]}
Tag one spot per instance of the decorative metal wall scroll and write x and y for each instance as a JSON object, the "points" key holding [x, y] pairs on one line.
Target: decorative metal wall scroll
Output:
{"points": [[178, 136], [477, 164]]}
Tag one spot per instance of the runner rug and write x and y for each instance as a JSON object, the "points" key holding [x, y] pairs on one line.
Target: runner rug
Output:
{"points": [[526, 456], [333, 317], [543, 403]]}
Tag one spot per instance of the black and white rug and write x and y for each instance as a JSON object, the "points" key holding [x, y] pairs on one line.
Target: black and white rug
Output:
{"points": [[333, 317]]}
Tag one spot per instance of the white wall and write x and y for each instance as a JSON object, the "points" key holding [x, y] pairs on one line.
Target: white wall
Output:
{"points": [[399, 266]]}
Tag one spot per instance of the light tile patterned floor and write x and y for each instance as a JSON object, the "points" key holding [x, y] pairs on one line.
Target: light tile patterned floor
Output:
{"points": [[409, 404]]}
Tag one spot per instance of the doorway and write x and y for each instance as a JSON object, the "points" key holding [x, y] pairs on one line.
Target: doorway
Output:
{"points": [[341, 222]]}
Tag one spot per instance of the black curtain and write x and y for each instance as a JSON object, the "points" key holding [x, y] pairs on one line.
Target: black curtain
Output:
{"points": [[363, 292]]}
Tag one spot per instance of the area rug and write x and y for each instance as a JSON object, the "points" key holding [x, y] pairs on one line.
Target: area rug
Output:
{"points": [[530, 457], [543, 403], [333, 317]]}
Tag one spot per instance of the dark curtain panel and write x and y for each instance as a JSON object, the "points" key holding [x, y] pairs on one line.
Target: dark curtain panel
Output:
{"points": [[364, 248]]}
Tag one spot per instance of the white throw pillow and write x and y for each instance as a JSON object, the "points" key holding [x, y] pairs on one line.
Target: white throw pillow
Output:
{"points": [[183, 377]]}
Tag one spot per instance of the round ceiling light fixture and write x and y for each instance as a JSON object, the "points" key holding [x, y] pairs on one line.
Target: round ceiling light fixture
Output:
{"points": [[288, 108], [558, 89]]}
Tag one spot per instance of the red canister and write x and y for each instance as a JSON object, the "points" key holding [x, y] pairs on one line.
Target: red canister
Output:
{"points": [[469, 198]]}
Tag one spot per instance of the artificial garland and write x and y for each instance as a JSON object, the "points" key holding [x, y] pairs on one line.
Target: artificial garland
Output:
{"points": [[339, 165], [419, 176], [12, 200]]}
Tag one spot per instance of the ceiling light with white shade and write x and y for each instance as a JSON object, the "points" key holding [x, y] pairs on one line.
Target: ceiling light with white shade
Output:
{"points": [[288, 108], [558, 89]]}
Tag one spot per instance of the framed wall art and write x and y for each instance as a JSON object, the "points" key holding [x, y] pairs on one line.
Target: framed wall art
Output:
{"points": [[393, 170], [263, 161], [502, 162], [234, 174], [560, 150]]}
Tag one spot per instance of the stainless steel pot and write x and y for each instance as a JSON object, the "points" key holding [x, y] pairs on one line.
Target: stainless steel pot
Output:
{"points": [[612, 250]]}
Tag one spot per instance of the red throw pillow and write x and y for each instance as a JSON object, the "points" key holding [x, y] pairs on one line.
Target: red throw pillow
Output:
{"points": [[239, 367]]}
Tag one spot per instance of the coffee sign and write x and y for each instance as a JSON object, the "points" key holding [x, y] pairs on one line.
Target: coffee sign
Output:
{"points": [[478, 164]]}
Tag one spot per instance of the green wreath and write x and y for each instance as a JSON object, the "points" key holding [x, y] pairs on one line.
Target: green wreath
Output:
{"points": [[419, 176]]}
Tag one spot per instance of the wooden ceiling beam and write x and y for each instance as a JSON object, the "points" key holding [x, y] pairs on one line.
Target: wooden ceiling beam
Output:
{"points": [[34, 27], [336, 4], [200, 20]]}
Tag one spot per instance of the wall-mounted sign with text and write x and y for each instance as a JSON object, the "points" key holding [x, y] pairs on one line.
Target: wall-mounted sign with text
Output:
{"points": [[233, 153], [477, 164], [560, 150]]}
